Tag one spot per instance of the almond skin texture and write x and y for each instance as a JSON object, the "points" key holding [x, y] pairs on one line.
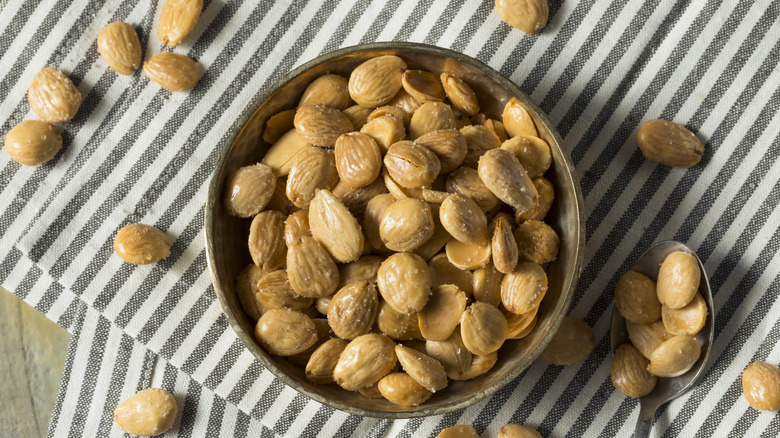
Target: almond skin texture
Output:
{"points": [[364, 361], [523, 289], [358, 159], [353, 310], [678, 280], [430, 117], [537, 242], [404, 282], [119, 46], [273, 291], [426, 370], [53, 96], [311, 270], [322, 362], [460, 94], [328, 90], [285, 332], [402, 390], [177, 19], [761, 386], [463, 219], [321, 125], [636, 300], [266, 240], [668, 143], [412, 165], [483, 328], [172, 71], [141, 244], [441, 314], [503, 174], [688, 320], [629, 372], [517, 120], [423, 86], [376, 81], [149, 412], [504, 247], [530, 16], [675, 357], [449, 145], [249, 189], [335, 228], [312, 168], [33, 142], [406, 224], [467, 182]]}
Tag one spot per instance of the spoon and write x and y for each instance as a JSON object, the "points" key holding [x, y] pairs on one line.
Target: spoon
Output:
{"points": [[667, 388]]}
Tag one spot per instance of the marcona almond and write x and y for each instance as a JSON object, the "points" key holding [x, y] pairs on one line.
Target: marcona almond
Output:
{"points": [[375, 82], [530, 16], [172, 71], [119, 46], [249, 189], [53, 96], [572, 343], [396, 189], [687, 320], [358, 115], [668, 143], [266, 240], [483, 328], [33, 142], [277, 125], [458, 431], [149, 412], [398, 326], [761, 386], [406, 224], [466, 255], [435, 244], [373, 216], [386, 130], [356, 198], [411, 165], [273, 291], [426, 370], [335, 228], [517, 324], [533, 152], [404, 282], [311, 270], [364, 268], [313, 168], [629, 372], [460, 94], [402, 390], [647, 337], [328, 90], [479, 366], [498, 129], [322, 362], [281, 154], [429, 117], [635, 298], [434, 196], [537, 242], [389, 110], [463, 219], [365, 360], [513, 430], [406, 102], [322, 304], [444, 272], [503, 174], [449, 146], [479, 139], [321, 125], [441, 314], [467, 182], [423, 86], [678, 279], [539, 209], [285, 332], [371, 391], [141, 244], [504, 247], [517, 120], [487, 284], [177, 19], [296, 226], [675, 357], [523, 289], [245, 290], [353, 310], [451, 353], [279, 201], [323, 334]]}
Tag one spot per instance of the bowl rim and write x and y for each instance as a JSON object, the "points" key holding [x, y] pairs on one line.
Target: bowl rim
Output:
{"points": [[212, 196]]}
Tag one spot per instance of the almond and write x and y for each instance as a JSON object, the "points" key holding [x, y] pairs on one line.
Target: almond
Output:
{"points": [[483, 328], [761, 386], [172, 71], [530, 16], [430, 117], [373, 216], [273, 291], [281, 155], [487, 284], [53, 96], [398, 326], [327, 90], [356, 198], [313, 168], [463, 219], [386, 130], [277, 125], [441, 314], [406, 225], [364, 361], [503, 174], [517, 120], [668, 143], [402, 390], [572, 343], [504, 247], [523, 289], [539, 209], [467, 182], [266, 240], [311, 270], [537, 242], [321, 125], [149, 412], [119, 46], [358, 115], [245, 290], [374, 82], [443, 272], [335, 227], [249, 189], [460, 94], [675, 357], [635, 298], [451, 353], [404, 282], [322, 362], [285, 332], [177, 19], [629, 372], [411, 165], [424, 86], [479, 139], [33, 142], [678, 280], [532, 152], [358, 159], [353, 310], [449, 145], [141, 244]]}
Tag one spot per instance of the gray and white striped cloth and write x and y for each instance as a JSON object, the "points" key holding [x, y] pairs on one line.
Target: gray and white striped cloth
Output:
{"points": [[137, 153]]}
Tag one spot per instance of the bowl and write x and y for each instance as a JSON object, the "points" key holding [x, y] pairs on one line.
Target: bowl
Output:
{"points": [[226, 236]]}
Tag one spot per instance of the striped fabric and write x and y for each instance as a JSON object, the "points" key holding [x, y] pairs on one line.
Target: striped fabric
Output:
{"points": [[137, 153]]}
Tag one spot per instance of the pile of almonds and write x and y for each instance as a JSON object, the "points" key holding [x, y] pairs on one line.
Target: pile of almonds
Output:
{"points": [[392, 222]]}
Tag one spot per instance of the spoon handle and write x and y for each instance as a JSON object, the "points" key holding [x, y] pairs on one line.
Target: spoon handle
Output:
{"points": [[645, 421]]}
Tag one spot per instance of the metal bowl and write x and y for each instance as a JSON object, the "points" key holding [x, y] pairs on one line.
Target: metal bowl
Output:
{"points": [[226, 236]]}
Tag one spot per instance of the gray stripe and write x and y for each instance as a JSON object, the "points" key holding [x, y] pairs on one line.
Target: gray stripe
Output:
{"points": [[215, 417], [188, 323], [69, 317], [348, 427], [226, 362], [619, 418], [410, 427], [318, 421], [437, 30], [169, 377], [380, 22], [345, 26], [773, 430], [294, 407], [89, 381], [190, 409], [118, 376], [267, 399], [205, 345], [242, 425], [239, 390], [8, 264], [413, 21], [480, 15]]}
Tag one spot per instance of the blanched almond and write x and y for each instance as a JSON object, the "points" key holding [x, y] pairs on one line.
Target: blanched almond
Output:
{"points": [[539, 209], [451, 353], [647, 337], [668, 143], [483, 328], [365, 360], [572, 343], [364, 268], [313, 168], [424, 369], [245, 290], [463, 219], [321, 125], [444, 272], [404, 282], [629, 372], [635, 298], [675, 357], [458, 431], [460, 94], [429, 117], [761, 386], [503, 174], [285, 332], [687, 320], [467, 182], [423, 86], [396, 189], [141, 244], [523, 289], [328, 90], [277, 125], [402, 390], [512, 430], [322, 362], [310, 268], [281, 154], [439, 239], [386, 130], [356, 198], [33, 142], [533, 152], [177, 19], [466, 255], [479, 139], [389, 110], [358, 115], [149, 412], [375, 82], [406, 102], [479, 366], [353, 310], [537, 242], [296, 226], [449, 145], [517, 324], [119, 46], [441, 314], [172, 71], [398, 326], [678, 280], [504, 247], [517, 120], [335, 228], [406, 224], [411, 165], [273, 291], [53, 96], [487, 284], [373, 216], [249, 189], [266, 240]]}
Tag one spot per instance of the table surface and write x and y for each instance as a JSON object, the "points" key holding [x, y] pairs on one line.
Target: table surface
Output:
{"points": [[33, 349]]}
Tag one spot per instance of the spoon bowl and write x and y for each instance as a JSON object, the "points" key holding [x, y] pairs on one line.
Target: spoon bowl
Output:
{"points": [[667, 388]]}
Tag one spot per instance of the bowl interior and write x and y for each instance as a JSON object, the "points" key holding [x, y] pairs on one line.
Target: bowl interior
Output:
{"points": [[226, 236]]}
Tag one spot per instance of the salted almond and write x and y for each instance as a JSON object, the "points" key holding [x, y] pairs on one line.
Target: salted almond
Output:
{"points": [[296, 226], [177, 19], [119, 46], [375, 209], [517, 121], [483, 328], [451, 353], [479, 139], [532, 152], [398, 191], [629, 372], [675, 357], [365, 360], [386, 130], [398, 326], [466, 255], [449, 145], [463, 219], [311, 270], [324, 333], [572, 343], [687, 320], [503, 174], [678, 280], [277, 125], [141, 244], [406, 224], [335, 228], [411, 165], [149, 412], [322, 362], [423, 86], [458, 431], [460, 94], [371, 391], [402, 390], [431, 116], [434, 196], [539, 209], [443, 272], [172, 71], [279, 199], [424, 369], [761, 386], [523, 289], [636, 300], [375, 82], [517, 325], [273, 291], [266, 240], [281, 154], [249, 189], [504, 247], [487, 284], [328, 90], [285, 332], [537, 242], [439, 239], [668, 143], [313, 168], [33, 142], [357, 115], [389, 110], [479, 366], [321, 125], [441, 314], [406, 102], [530, 16], [647, 337], [404, 282], [53, 96], [364, 268], [245, 290], [356, 198], [353, 310], [467, 182], [498, 129]]}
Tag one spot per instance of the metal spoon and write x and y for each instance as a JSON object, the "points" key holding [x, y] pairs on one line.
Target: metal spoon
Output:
{"points": [[667, 388]]}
